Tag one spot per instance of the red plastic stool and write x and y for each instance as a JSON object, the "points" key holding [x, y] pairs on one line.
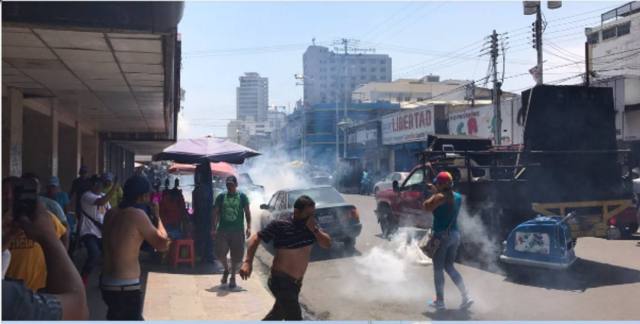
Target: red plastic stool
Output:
{"points": [[176, 247]]}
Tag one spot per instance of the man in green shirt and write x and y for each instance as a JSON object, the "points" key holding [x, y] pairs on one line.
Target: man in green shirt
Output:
{"points": [[115, 200], [229, 212]]}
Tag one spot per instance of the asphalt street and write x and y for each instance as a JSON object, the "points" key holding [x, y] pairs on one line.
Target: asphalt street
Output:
{"points": [[388, 280]]}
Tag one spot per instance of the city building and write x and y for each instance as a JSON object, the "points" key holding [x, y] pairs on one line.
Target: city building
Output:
{"points": [[418, 90], [88, 83], [331, 77], [614, 61], [257, 135], [252, 97], [310, 134]]}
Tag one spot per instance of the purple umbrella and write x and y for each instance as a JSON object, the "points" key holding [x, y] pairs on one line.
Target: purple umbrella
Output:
{"points": [[198, 150]]}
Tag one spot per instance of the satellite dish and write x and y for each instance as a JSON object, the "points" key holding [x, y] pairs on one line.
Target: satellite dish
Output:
{"points": [[530, 7], [554, 4]]}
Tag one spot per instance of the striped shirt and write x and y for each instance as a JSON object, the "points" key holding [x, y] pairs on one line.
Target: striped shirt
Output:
{"points": [[287, 234]]}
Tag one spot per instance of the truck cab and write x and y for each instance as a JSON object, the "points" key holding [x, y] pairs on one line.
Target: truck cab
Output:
{"points": [[401, 206]]}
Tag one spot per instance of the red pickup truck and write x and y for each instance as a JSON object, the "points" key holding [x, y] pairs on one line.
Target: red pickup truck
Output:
{"points": [[402, 205]]}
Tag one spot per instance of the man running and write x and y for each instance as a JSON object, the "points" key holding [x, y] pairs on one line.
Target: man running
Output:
{"points": [[231, 208], [293, 239], [125, 228]]}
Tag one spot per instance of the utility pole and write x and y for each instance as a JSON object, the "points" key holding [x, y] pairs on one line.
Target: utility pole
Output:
{"points": [[497, 92], [535, 7], [538, 40], [586, 64], [303, 130]]}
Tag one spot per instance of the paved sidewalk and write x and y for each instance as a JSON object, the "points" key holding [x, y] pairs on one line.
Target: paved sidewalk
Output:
{"points": [[173, 296]]}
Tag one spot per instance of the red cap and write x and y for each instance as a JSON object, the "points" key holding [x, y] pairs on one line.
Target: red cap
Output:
{"points": [[443, 177]]}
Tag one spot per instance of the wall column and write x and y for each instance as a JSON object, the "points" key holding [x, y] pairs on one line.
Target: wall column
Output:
{"points": [[78, 147], [16, 107], [55, 137]]}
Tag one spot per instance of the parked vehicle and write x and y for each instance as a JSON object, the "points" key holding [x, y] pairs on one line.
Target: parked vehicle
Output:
{"points": [[401, 206], [623, 225], [321, 178], [335, 216], [387, 182]]}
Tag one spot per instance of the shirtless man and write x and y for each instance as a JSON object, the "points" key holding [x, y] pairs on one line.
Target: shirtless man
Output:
{"points": [[125, 228], [293, 239]]}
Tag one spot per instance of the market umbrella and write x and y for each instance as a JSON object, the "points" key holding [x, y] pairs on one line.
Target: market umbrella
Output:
{"points": [[212, 149], [217, 169]]}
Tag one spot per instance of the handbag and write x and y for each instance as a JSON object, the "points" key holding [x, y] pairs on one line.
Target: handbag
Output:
{"points": [[430, 244]]}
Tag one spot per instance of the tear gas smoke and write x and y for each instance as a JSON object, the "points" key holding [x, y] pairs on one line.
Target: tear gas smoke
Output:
{"points": [[274, 171]]}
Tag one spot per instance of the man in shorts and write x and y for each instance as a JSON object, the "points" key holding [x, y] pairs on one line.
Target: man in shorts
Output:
{"points": [[230, 210]]}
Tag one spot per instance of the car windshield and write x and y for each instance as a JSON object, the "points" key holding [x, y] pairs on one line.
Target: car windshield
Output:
{"points": [[322, 196]]}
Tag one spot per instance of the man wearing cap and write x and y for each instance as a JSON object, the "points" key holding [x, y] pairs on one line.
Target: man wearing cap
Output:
{"points": [[94, 205], [125, 228], [230, 210], [54, 192], [445, 205], [115, 200]]}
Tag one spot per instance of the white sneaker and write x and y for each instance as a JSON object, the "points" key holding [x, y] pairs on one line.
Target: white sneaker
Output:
{"points": [[437, 305], [466, 302]]}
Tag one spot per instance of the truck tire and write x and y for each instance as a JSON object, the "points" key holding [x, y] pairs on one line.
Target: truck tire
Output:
{"points": [[388, 225], [349, 244]]}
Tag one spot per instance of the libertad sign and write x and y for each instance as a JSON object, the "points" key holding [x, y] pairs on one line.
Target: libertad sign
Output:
{"points": [[407, 126]]}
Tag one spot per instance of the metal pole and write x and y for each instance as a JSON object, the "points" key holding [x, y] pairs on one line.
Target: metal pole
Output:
{"points": [[539, 41], [304, 131], [586, 63]]}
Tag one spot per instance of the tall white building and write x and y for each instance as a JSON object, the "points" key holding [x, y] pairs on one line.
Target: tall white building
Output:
{"points": [[615, 43], [614, 59], [331, 77], [252, 97]]}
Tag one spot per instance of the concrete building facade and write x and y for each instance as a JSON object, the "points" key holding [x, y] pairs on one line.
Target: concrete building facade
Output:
{"points": [[330, 77], [252, 97], [614, 52], [417, 90]]}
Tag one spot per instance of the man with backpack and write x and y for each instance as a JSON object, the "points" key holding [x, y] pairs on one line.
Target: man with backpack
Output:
{"points": [[93, 206], [230, 210]]}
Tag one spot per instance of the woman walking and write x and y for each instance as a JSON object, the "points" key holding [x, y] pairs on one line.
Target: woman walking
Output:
{"points": [[445, 205]]}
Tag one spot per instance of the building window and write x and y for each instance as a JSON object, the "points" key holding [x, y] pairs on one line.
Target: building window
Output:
{"points": [[373, 78], [363, 69], [383, 69], [383, 61], [361, 61], [383, 77], [362, 77], [609, 33], [624, 29], [593, 38], [373, 69], [333, 68]]}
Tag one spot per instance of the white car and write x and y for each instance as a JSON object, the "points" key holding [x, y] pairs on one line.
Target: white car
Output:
{"points": [[387, 182]]}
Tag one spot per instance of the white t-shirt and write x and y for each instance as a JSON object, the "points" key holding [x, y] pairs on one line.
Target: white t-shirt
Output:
{"points": [[94, 211]]}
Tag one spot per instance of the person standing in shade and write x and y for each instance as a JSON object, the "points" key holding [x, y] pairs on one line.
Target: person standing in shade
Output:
{"points": [[445, 204], [230, 210], [94, 206], [125, 228]]}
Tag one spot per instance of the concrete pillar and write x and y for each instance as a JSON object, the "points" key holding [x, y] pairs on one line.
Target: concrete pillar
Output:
{"points": [[36, 146], [78, 146], [55, 136], [67, 170], [16, 108], [90, 153]]}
